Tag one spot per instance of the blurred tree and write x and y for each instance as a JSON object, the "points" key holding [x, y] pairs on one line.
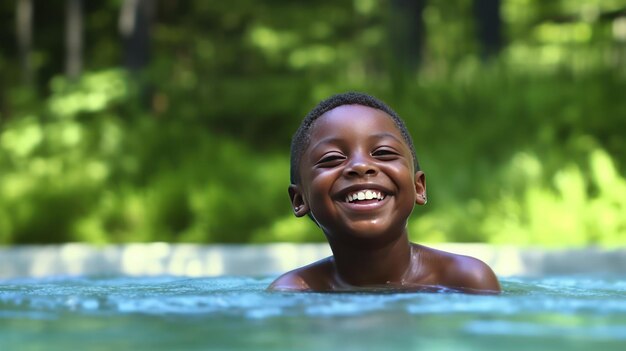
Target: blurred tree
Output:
{"points": [[24, 31], [488, 27], [135, 23], [135, 26], [74, 39], [407, 35]]}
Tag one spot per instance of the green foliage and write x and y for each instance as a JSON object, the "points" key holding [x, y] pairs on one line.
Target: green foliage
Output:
{"points": [[84, 174], [581, 204], [527, 148], [531, 164]]}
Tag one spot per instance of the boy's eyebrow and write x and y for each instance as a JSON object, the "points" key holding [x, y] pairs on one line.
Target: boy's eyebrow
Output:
{"points": [[383, 135], [328, 140]]}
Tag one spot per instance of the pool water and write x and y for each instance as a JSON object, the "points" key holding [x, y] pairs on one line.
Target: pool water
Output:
{"points": [[236, 313]]}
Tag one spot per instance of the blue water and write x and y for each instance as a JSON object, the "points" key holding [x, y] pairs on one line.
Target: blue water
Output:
{"points": [[236, 313]]}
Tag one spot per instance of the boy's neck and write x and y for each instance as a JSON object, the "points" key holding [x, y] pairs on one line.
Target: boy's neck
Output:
{"points": [[368, 266]]}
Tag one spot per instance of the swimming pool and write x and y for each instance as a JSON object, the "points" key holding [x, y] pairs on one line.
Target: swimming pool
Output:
{"points": [[236, 313]]}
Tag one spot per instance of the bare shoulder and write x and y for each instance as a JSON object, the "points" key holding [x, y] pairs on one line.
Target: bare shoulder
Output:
{"points": [[472, 274], [466, 273], [311, 277]]}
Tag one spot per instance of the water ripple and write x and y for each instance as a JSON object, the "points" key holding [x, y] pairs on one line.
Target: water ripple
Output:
{"points": [[246, 296]]}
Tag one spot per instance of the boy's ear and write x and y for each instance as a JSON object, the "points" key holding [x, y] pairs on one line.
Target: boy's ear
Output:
{"points": [[420, 188], [300, 207]]}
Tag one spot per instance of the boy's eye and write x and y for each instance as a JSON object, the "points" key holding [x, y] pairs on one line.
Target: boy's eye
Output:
{"points": [[330, 159], [384, 152]]}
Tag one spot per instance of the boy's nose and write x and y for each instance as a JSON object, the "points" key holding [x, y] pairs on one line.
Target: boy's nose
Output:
{"points": [[360, 167]]}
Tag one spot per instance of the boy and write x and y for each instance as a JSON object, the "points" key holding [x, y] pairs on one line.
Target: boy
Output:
{"points": [[355, 173]]}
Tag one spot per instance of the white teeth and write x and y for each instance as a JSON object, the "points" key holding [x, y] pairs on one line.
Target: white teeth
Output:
{"points": [[365, 195]]}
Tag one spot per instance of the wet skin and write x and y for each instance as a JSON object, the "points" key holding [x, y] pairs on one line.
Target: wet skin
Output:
{"points": [[357, 181]]}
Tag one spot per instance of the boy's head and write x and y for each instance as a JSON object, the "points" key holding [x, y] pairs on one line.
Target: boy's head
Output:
{"points": [[301, 138]]}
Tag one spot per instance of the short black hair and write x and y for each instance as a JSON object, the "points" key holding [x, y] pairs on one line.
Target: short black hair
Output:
{"points": [[302, 137]]}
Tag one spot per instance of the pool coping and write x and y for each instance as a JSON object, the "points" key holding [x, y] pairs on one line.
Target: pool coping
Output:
{"points": [[151, 259]]}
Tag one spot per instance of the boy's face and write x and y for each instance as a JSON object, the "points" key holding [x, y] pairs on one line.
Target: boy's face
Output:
{"points": [[357, 176]]}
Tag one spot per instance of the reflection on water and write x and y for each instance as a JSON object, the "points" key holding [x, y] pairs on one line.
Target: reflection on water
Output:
{"points": [[235, 312]]}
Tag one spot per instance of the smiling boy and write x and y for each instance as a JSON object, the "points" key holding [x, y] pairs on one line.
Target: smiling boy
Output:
{"points": [[355, 173]]}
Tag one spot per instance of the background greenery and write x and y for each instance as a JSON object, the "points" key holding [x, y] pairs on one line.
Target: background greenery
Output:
{"points": [[522, 145]]}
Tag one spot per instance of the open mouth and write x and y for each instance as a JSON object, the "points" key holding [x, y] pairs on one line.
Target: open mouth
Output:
{"points": [[365, 196]]}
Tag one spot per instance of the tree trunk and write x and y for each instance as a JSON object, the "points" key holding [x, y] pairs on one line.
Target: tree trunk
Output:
{"points": [[24, 30], [74, 39], [488, 27], [407, 33], [135, 23]]}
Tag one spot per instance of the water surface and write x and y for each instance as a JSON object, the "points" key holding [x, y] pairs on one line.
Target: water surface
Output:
{"points": [[236, 313]]}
